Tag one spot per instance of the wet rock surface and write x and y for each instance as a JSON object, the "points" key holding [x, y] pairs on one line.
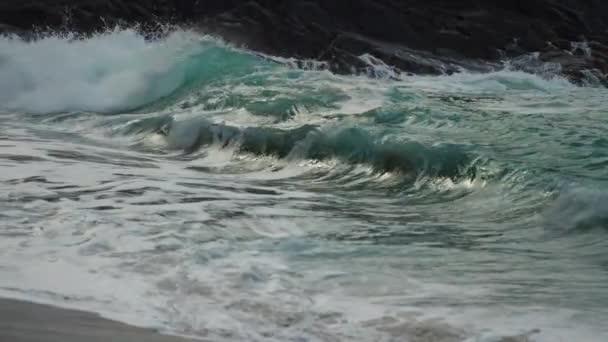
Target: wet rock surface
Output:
{"points": [[415, 36]]}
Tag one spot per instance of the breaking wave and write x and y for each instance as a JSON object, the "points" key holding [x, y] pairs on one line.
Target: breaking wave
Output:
{"points": [[120, 70], [110, 72]]}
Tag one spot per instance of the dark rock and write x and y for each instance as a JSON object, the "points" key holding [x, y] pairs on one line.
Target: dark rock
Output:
{"points": [[419, 36]]}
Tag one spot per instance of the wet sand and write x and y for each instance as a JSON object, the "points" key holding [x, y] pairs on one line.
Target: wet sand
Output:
{"points": [[27, 322]]}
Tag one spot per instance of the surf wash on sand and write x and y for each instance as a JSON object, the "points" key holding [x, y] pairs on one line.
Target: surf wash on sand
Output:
{"points": [[202, 189]]}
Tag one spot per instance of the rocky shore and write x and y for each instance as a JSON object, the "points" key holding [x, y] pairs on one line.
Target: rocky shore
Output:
{"points": [[414, 36]]}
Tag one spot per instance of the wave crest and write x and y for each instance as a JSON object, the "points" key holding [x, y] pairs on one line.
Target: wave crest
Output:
{"points": [[352, 145], [118, 70]]}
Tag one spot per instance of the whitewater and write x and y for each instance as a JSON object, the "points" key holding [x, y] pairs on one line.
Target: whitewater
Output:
{"points": [[191, 186]]}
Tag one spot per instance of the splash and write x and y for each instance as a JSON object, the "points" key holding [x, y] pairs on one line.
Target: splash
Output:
{"points": [[118, 70]]}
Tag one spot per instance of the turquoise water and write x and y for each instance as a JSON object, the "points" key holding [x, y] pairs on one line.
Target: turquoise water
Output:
{"points": [[209, 191]]}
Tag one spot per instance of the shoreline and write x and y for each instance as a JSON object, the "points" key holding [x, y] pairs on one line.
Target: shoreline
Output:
{"points": [[22, 321], [417, 36]]}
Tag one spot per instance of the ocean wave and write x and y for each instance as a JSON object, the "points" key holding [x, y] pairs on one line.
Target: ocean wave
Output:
{"points": [[118, 70], [578, 209], [353, 145]]}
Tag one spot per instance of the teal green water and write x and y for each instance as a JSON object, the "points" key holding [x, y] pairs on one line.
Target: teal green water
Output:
{"points": [[210, 191]]}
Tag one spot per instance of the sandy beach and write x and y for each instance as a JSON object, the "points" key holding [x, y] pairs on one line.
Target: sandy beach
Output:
{"points": [[28, 322]]}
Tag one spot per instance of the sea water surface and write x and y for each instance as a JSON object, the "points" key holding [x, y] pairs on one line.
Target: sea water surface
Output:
{"points": [[187, 185]]}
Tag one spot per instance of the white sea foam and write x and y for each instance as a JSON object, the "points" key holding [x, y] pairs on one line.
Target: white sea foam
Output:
{"points": [[116, 70]]}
